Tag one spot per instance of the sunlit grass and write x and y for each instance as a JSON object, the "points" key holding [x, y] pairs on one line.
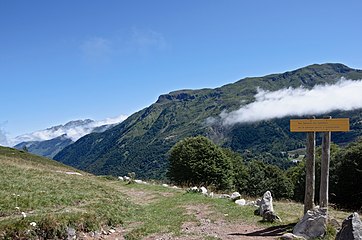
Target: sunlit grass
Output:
{"points": [[54, 200], [45, 193]]}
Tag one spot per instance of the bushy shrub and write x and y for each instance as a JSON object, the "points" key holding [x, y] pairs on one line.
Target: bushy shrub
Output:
{"points": [[263, 177], [198, 161], [347, 177]]}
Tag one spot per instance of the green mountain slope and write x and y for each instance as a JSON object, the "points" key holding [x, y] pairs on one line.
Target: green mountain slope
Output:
{"points": [[47, 148], [140, 143]]}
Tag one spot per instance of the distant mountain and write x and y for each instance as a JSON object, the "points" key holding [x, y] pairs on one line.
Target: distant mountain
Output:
{"points": [[141, 142], [47, 148], [52, 140]]}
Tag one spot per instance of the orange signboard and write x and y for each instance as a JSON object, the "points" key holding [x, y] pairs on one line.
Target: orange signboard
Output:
{"points": [[320, 125]]}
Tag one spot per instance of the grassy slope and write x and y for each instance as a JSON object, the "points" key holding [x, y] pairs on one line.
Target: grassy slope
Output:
{"points": [[55, 200], [42, 190]]}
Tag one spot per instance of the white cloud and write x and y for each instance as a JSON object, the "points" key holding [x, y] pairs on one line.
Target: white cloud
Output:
{"points": [[146, 39], [3, 138], [73, 130], [108, 121], [344, 95], [96, 49], [99, 49]]}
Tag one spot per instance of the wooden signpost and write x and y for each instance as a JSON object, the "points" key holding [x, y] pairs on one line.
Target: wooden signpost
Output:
{"points": [[311, 126], [320, 125]]}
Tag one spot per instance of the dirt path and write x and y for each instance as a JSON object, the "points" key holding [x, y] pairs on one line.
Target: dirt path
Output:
{"points": [[208, 224], [220, 228]]}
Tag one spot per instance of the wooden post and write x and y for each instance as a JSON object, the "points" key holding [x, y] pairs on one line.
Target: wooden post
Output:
{"points": [[310, 173], [324, 185]]}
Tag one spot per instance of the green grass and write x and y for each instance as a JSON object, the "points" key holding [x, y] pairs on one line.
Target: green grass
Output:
{"points": [[54, 200], [40, 188]]}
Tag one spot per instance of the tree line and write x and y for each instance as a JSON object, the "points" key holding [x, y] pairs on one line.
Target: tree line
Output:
{"points": [[198, 161]]}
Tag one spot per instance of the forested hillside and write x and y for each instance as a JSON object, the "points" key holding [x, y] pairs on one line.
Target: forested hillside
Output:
{"points": [[140, 143]]}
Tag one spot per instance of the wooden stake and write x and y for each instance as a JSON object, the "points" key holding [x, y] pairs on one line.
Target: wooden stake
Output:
{"points": [[324, 185], [310, 173]]}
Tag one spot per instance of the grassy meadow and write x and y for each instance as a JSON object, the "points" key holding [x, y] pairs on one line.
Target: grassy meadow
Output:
{"points": [[41, 198]]}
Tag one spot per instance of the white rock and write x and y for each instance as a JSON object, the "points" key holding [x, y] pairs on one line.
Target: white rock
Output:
{"points": [[312, 225], [71, 233], [193, 189], [290, 236], [203, 190], [121, 178], [240, 202], [250, 203], [73, 173], [224, 196], [164, 185], [138, 181], [266, 203], [351, 228], [235, 196]]}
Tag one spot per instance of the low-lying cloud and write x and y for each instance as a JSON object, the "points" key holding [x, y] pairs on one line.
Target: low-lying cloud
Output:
{"points": [[344, 95], [73, 130]]}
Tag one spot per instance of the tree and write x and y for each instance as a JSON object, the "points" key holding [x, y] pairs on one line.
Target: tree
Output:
{"points": [[240, 173], [264, 177], [197, 161], [347, 177]]}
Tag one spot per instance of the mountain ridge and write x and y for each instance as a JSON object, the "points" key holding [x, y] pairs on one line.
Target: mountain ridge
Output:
{"points": [[52, 140], [140, 143]]}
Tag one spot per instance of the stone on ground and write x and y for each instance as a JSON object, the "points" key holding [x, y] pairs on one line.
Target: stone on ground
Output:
{"points": [[266, 203], [351, 228], [235, 196], [313, 224], [240, 202], [203, 190]]}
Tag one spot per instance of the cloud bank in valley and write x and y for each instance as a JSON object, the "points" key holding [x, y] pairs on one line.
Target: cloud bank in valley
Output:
{"points": [[344, 95], [73, 130]]}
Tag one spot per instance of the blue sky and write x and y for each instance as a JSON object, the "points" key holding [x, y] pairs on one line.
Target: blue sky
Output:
{"points": [[67, 60]]}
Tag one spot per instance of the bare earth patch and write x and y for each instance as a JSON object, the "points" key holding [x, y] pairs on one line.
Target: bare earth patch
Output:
{"points": [[208, 224], [218, 229], [141, 196]]}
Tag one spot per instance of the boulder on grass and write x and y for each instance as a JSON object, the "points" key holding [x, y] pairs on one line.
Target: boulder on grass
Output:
{"points": [[351, 228], [240, 202], [269, 216], [266, 203], [203, 190], [265, 208], [235, 196], [313, 224]]}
